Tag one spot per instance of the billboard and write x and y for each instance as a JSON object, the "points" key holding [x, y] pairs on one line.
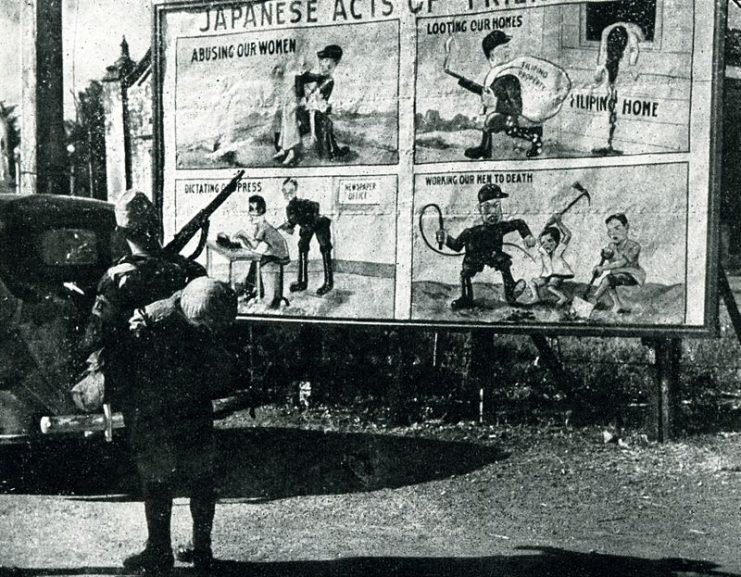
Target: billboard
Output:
{"points": [[544, 166]]}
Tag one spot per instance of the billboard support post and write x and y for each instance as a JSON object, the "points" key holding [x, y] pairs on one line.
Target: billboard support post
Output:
{"points": [[665, 395], [402, 345], [550, 359], [730, 301]]}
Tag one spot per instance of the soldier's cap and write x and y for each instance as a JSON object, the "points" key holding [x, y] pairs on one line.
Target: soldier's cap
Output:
{"points": [[494, 39], [491, 192], [206, 302], [332, 51], [136, 214]]}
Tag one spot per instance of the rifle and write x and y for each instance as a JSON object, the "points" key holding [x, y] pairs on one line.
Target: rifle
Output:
{"points": [[505, 87], [469, 85], [201, 221]]}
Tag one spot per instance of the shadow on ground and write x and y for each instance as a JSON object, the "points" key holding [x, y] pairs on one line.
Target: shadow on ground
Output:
{"points": [[255, 464], [532, 561]]}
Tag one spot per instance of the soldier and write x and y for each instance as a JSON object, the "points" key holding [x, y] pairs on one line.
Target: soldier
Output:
{"points": [[309, 111], [182, 341], [305, 214], [316, 112], [483, 245], [501, 97], [131, 373]]}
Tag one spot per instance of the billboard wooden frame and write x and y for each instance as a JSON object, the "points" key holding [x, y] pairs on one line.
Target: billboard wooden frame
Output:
{"points": [[161, 8]]}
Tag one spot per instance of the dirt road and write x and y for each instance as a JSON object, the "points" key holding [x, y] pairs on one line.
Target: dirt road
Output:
{"points": [[431, 500]]}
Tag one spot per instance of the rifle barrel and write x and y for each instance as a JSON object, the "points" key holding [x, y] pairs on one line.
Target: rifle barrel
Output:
{"points": [[185, 234]]}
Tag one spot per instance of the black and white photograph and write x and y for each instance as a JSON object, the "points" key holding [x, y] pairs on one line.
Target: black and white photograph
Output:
{"points": [[370, 288]]}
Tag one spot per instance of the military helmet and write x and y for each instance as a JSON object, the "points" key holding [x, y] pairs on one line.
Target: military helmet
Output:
{"points": [[491, 192], [137, 216], [332, 51], [494, 39]]}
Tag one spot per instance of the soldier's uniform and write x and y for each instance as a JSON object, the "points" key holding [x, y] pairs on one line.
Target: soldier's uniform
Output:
{"points": [[305, 214], [326, 140], [142, 381], [483, 244], [506, 115], [175, 408]]}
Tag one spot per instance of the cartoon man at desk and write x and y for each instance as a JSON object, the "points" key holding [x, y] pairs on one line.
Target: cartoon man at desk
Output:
{"points": [[267, 245]]}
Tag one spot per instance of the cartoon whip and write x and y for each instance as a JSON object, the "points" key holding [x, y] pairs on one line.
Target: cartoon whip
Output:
{"points": [[441, 223]]}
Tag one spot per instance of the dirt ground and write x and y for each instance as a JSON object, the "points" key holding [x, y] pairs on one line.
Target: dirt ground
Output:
{"points": [[310, 497]]}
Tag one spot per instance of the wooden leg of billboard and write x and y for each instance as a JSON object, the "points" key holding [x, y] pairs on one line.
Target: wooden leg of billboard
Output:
{"points": [[550, 359], [478, 386], [402, 345], [665, 399], [730, 301]]}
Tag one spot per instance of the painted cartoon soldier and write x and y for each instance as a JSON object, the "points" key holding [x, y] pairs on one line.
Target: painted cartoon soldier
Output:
{"points": [[483, 244], [308, 111], [305, 213], [501, 98]]}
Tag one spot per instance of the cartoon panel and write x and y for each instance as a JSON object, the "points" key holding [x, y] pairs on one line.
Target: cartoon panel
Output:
{"points": [[584, 80], [299, 247], [289, 97], [601, 246]]}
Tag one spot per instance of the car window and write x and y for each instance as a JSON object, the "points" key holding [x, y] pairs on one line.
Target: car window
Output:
{"points": [[69, 246], [119, 247]]}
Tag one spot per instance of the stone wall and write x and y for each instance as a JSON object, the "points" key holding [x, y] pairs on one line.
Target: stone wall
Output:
{"points": [[141, 133]]}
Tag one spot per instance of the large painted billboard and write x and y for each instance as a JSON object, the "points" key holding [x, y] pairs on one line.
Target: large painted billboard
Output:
{"points": [[544, 166]]}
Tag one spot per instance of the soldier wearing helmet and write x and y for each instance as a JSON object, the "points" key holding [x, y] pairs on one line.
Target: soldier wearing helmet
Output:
{"points": [[501, 99], [310, 111], [483, 246], [149, 379]]}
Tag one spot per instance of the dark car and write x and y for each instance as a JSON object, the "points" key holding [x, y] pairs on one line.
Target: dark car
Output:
{"points": [[53, 251]]}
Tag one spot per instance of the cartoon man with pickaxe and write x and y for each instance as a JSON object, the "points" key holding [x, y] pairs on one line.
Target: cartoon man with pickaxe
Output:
{"points": [[554, 240]]}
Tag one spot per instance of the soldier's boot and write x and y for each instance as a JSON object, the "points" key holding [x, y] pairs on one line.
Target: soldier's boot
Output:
{"points": [[303, 273], [150, 561], [466, 299], [483, 150], [156, 558], [335, 151], [328, 274], [512, 289], [328, 143], [535, 135], [202, 510]]}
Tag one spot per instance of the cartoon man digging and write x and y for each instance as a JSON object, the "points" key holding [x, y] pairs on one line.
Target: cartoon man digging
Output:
{"points": [[620, 262], [483, 244]]}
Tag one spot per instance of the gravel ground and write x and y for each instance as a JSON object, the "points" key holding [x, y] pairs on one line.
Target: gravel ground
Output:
{"points": [[305, 497]]}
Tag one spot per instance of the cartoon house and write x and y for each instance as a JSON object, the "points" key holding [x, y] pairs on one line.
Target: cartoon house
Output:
{"points": [[633, 52]]}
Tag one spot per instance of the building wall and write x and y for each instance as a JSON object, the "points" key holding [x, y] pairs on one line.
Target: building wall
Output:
{"points": [[141, 132], [114, 140], [660, 82]]}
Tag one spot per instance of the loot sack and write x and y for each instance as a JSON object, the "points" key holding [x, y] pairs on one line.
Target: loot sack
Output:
{"points": [[543, 85]]}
